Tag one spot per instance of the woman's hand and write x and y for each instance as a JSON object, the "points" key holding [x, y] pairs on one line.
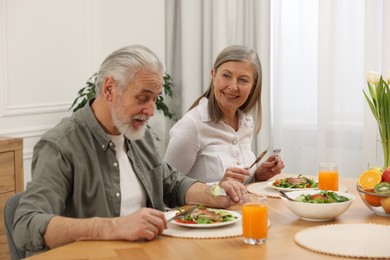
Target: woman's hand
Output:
{"points": [[235, 174], [268, 169]]}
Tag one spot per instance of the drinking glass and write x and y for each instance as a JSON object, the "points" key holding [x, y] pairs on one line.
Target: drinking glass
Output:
{"points": [[328, 176], [255, 219]]}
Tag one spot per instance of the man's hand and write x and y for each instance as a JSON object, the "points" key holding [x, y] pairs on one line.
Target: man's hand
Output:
{"points": [[234, 189], [200, 194], [145, 223]]}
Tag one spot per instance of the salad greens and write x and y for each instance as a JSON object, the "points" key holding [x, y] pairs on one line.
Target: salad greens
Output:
{"points": [[299, 182], [205, 219], [322, 197]]}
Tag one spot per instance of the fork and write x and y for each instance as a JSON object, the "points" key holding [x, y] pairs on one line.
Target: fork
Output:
{"points": [[276, 154], [285, 195], [259, 157], [183, 213]]}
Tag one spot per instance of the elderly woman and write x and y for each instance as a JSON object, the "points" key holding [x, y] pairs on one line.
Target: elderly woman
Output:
{"points": [[212, 142]]}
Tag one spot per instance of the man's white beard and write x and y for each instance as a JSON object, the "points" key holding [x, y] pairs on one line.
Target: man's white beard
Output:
{"points": [[127, 130]]}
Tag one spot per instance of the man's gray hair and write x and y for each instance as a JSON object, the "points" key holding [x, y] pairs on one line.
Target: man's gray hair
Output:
{"points": [[122, 64]]}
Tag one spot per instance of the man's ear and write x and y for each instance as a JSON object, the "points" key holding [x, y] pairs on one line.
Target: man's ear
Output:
{"points": [[109, 84]]}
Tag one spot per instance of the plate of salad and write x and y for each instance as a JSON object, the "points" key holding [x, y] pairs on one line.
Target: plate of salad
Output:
{"points": [[203, 217], [293, 183]]}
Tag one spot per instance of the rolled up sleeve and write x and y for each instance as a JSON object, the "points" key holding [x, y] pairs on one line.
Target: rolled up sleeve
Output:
{"points": [[43, 198]]}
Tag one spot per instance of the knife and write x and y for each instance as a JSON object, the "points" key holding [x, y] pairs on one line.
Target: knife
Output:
{"points": [[183, 213]]}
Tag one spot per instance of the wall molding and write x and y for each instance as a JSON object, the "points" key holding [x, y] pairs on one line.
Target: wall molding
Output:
{"points": [[26, 132], [27, 155], [35, 109]]}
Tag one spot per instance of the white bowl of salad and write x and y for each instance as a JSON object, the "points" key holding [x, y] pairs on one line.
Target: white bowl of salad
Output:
{"points": [[318, 205]]}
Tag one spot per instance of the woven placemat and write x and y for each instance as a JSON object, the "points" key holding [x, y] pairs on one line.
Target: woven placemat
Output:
{"points": [[261, 188], [347, 240], [233, 230]]}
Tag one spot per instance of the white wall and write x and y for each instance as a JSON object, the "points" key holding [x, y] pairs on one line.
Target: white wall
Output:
{"points": [[49, 48]]}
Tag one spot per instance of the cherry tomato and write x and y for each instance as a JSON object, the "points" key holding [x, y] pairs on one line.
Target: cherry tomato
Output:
{"points": [[185, 221]]}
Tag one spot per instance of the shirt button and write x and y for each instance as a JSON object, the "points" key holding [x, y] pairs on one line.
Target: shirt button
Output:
{"points": [[110, 144], [103, 146], [238, 162], [115, 164], [118, 194], [234, 141]]}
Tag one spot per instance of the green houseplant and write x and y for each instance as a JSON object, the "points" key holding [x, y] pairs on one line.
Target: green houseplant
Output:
{"points": [[89, 91]]}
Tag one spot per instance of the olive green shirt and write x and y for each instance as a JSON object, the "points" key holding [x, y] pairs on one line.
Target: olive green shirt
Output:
{"points": [[75, 173]]}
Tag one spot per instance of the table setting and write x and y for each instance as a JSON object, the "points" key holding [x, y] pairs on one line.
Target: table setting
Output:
{"points": [[324, 236], [178, 228], [231, 228], [341, 237]]}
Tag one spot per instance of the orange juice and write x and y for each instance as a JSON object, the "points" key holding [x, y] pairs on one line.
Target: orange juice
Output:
{"points": [[255, 221], [328, 180]]}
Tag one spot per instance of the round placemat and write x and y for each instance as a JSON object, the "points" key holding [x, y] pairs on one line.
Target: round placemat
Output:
{"points": [[233, 230], [261, 188], [347, 240]]}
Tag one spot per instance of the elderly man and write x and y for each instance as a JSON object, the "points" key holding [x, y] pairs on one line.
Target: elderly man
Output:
{"points": [[96, 175]]}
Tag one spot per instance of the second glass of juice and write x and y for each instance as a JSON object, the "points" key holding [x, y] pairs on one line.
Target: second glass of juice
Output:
{"points": [[328, 176]]}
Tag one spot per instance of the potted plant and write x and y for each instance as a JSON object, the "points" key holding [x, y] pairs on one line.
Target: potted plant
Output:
{"points": [[379, 102]]}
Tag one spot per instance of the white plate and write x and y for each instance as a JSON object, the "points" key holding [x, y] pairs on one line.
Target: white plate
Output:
{"points": [[269, 184], [220, 224]]}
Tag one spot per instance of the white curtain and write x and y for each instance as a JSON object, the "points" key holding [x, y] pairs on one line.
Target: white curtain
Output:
{"points": [[315, 55], [197, 30], [321, 51]]}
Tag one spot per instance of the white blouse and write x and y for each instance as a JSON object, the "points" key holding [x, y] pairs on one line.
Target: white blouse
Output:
{"points": [[202, 149]]}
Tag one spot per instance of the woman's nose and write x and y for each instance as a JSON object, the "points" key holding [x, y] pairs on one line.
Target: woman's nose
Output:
{"points": [[233, 84]]}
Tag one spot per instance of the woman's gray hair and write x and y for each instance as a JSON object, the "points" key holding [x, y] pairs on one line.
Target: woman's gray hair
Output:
{"points": [[122, 64], [253, 103]]}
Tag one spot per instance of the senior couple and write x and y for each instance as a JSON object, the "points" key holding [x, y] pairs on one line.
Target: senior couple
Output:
{"points": [[96, 175]]}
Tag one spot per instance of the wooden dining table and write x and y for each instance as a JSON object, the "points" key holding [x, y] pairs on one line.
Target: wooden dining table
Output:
{"points": [[279, 245]]}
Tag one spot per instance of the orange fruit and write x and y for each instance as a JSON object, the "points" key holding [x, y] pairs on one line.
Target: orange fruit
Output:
{"points": [[370, 178], [373, 200], [385, 202]]}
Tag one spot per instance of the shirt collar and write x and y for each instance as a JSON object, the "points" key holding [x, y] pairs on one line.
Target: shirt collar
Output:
{"points": [[94, 126]]}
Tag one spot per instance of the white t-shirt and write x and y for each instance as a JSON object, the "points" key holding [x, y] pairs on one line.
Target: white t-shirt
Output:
{"points": [[133, 195], [202, 149]]}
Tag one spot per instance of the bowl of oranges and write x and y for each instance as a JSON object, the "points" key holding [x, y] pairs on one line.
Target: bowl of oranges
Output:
{"points": [[374, 190]]}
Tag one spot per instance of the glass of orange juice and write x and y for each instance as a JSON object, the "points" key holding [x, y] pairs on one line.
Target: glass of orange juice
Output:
{"points": [[328, 177], [255, 219]]}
